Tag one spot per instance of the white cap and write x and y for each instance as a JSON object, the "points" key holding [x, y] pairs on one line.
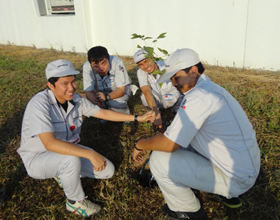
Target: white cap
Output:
{"points": [[179, 60], [60, 68], [139, 55]]}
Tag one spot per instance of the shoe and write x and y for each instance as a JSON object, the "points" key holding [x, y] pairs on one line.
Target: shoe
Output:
{"points": [[57, 179], [84, 208], [199, 215], [232, 203]]}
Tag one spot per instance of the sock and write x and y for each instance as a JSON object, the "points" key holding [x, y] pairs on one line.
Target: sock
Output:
{"points": [[71, 201]]}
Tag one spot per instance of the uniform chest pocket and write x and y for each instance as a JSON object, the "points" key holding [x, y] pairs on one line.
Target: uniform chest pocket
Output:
{"points": [[59, 127], [60, 130]]}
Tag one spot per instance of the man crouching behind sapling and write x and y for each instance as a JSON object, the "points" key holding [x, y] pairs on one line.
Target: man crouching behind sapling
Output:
{"points": [[50, 135], [209, 146]]}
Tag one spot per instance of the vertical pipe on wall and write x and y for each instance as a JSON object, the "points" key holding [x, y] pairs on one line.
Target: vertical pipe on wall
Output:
{"points": [[246, 34]]}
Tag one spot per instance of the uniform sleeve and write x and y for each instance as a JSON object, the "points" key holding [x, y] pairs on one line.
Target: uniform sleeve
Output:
{"points": [[89, 109], [88, 78], [39, 117], [189, 119], [142, 78], [122, 78]]}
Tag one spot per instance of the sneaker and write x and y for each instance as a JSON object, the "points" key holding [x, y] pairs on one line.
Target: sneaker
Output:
{"points": [[199, 215], [57, 179], [84, 208], [233, 203]]}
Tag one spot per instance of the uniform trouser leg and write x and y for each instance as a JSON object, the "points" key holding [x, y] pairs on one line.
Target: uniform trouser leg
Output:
{"points": [[69, 169], [88, 171], [176, 173], [145, 103], [119, 104], [50, 164]]}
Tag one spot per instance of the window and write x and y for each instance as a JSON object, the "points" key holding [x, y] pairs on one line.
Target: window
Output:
{"points": [[62, 6], [55, 7]]}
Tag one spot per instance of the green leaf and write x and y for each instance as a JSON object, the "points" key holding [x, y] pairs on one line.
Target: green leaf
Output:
{"points": [[154, 41], [150, 51], [162, 35], [138, 46], [159, 72], [156, 72], [158, 58], [134, 36], [163, 51], [147, 38]]}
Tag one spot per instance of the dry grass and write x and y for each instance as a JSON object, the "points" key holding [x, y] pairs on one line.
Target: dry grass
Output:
{"points": [[22, 76]]}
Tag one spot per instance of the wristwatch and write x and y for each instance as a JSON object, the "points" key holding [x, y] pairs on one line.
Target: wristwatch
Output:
{"points": [[135, 143], [136, 117], [108, 98]]}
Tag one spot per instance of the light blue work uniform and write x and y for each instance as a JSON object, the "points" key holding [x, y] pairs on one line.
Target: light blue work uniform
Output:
{"points": [[226, 156], [117, 77], [165, 95], [44, 114]]}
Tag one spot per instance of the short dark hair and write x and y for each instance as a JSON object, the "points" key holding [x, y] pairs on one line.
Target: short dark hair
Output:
{"points": [[98, 53], [53, 80], [199, 66]]}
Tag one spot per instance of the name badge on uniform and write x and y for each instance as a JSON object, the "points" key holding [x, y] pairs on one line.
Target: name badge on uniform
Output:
{"points": [[168, 97]]}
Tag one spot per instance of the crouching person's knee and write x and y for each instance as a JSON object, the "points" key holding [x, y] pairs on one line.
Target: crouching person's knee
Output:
{"points": [[110, 169], [158, 163], [107, 173], [70, 164]]}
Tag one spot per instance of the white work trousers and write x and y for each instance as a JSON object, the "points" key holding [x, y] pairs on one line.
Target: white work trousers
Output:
{"points": [[69, 169], [177, 172], [119, 104]]}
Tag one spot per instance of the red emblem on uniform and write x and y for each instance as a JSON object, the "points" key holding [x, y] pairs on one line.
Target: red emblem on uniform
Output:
{"points": [[183, 105], [72, 128]]}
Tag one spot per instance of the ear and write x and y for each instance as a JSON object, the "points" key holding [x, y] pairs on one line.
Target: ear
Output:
{"points": [[194, 69], [50, 86]]}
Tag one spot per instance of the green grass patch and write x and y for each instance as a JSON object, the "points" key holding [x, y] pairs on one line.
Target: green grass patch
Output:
{"points": [[22, 75]]}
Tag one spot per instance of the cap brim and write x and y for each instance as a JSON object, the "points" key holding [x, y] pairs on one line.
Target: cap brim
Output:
{"points": [[166, 76], [140, 60], [65, 73]]}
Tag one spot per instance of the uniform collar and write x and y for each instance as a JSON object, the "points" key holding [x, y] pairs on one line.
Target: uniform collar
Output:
{"points": [[110, 62], [201, 80]]}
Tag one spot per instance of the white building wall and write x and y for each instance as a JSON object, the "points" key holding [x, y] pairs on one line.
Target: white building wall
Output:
{"points": [[21, 24], [262, 48], [236, 33]]}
